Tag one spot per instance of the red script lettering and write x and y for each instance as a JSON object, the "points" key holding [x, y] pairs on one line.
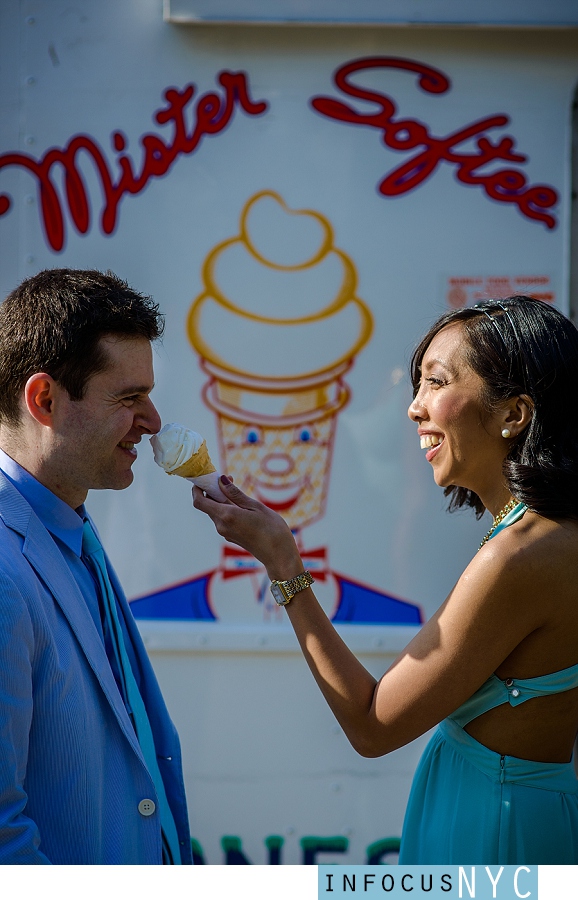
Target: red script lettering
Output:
{"points": [[506, 185], [212, 114]]}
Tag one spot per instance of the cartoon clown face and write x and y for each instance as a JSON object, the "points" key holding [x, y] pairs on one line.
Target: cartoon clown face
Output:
{"points": [[287, 469]]}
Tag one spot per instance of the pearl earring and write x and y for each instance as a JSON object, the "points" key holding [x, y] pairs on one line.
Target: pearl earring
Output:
{"points": [[506, 433]]}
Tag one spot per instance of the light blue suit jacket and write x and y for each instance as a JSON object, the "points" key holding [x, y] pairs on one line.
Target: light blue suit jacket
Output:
{"points": [[71, 771]]}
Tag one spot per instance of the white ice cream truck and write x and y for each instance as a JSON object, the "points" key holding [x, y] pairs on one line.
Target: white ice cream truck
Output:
{"points": [[303, 187]]}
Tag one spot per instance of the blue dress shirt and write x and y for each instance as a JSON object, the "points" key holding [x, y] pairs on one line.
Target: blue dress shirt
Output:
{"points": [[65, 526]]}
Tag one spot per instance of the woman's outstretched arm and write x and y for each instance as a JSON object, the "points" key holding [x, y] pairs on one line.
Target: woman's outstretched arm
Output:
{"points": [[476, 628]]}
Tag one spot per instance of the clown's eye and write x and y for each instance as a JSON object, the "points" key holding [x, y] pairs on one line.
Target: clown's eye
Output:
{"points": [[252, 436]]}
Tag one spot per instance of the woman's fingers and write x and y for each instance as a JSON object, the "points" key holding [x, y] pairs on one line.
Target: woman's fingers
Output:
{"points": [[236, 495], [249, 523], [239, 519]]}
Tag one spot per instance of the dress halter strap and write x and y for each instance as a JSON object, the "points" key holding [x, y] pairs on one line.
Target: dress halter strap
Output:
{"points": [[514, 515], [494, 692]]}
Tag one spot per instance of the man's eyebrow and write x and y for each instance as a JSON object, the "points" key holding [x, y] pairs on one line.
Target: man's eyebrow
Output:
{"points": [[135, 389]]}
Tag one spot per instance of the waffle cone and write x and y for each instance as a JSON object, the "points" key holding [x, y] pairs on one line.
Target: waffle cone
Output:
{"points": [[199, 464]]}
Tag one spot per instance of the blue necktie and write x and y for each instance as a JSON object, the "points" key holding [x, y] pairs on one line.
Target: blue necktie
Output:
{"points": [[92, 547]]}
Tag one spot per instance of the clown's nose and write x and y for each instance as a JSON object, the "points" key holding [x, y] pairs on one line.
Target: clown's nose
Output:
{"points": [[277, 464]]}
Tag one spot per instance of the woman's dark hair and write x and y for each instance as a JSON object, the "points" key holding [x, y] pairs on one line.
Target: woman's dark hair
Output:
{"points": [[53, 323], [520, 345]]}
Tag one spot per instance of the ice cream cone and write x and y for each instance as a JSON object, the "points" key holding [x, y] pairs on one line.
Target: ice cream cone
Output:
{"points": [[198, 465], [180, 451]]}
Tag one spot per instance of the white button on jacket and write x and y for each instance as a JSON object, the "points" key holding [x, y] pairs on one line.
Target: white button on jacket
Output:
{"points": [[147, 807]]}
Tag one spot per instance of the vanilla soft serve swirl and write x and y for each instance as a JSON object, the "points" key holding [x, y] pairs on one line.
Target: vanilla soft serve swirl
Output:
{"points": [[174, 445]]}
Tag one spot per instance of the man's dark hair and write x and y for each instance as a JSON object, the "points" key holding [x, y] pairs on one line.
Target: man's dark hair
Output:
{"points": [[53, 323], [520, 345]]}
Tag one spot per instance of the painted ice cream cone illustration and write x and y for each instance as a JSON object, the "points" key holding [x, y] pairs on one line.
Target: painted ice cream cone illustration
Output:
{"points": [[180, 451], [277, 326]]}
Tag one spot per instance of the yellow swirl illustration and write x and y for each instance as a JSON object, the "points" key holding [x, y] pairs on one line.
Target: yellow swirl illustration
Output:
{"points": [[359, 322]]}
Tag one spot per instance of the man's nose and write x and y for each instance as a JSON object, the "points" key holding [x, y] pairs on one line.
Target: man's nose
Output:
{"points": [[149, 420]]}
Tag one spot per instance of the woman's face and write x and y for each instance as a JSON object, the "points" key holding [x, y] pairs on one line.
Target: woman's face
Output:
{"points": [[463, 442]]}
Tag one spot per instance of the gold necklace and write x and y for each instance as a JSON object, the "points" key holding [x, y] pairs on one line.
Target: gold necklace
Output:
{"points": [[499, 518]]}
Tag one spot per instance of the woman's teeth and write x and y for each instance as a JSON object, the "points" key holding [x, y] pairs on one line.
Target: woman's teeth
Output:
{"points": [[430, 440]]}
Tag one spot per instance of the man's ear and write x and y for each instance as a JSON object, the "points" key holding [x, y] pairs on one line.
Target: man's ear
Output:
{"points": [[39, 396], [518, 414]]}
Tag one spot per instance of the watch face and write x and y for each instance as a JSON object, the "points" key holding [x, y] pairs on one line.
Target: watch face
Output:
{"points": [[279, 596]]}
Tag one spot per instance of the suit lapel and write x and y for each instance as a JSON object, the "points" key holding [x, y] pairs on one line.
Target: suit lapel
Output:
{"points": [[47, 561]]}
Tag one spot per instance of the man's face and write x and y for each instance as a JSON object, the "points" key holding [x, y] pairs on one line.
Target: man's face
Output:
{"points": [[96, 436]]}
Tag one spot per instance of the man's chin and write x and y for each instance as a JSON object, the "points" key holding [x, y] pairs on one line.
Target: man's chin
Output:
{"points": [[127, 481], [117, 483]]}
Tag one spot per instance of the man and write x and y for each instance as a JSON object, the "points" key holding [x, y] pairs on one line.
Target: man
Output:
{"points": [[90, 769]]}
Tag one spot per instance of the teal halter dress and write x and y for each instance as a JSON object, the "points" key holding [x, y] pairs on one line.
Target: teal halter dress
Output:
{"points": [[471, 805]]}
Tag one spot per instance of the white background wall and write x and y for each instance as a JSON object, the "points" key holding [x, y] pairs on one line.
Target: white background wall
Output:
{"points": [[95, 67]]}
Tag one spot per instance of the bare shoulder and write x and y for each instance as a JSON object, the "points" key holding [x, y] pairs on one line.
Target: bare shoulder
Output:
{"points": [[524, 580], [528, 575], [534, 552]]}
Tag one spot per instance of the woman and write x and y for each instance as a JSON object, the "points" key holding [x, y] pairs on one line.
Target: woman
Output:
{"points": [[497, 665]]}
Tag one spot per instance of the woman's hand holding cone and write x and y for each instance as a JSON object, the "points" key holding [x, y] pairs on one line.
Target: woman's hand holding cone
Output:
{"points": [[255, 527]]}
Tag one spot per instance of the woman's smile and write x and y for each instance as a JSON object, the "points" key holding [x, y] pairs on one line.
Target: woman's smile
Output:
{"points": [[430, 441]]}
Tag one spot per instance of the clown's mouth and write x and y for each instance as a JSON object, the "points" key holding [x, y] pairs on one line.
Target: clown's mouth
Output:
{"points": [[279, 497]]}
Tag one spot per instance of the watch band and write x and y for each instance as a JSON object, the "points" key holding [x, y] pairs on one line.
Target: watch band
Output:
{"points": [[284, 591]]}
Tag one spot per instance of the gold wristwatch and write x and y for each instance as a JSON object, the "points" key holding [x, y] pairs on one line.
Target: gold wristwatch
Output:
{"points": [[284, 591]]}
